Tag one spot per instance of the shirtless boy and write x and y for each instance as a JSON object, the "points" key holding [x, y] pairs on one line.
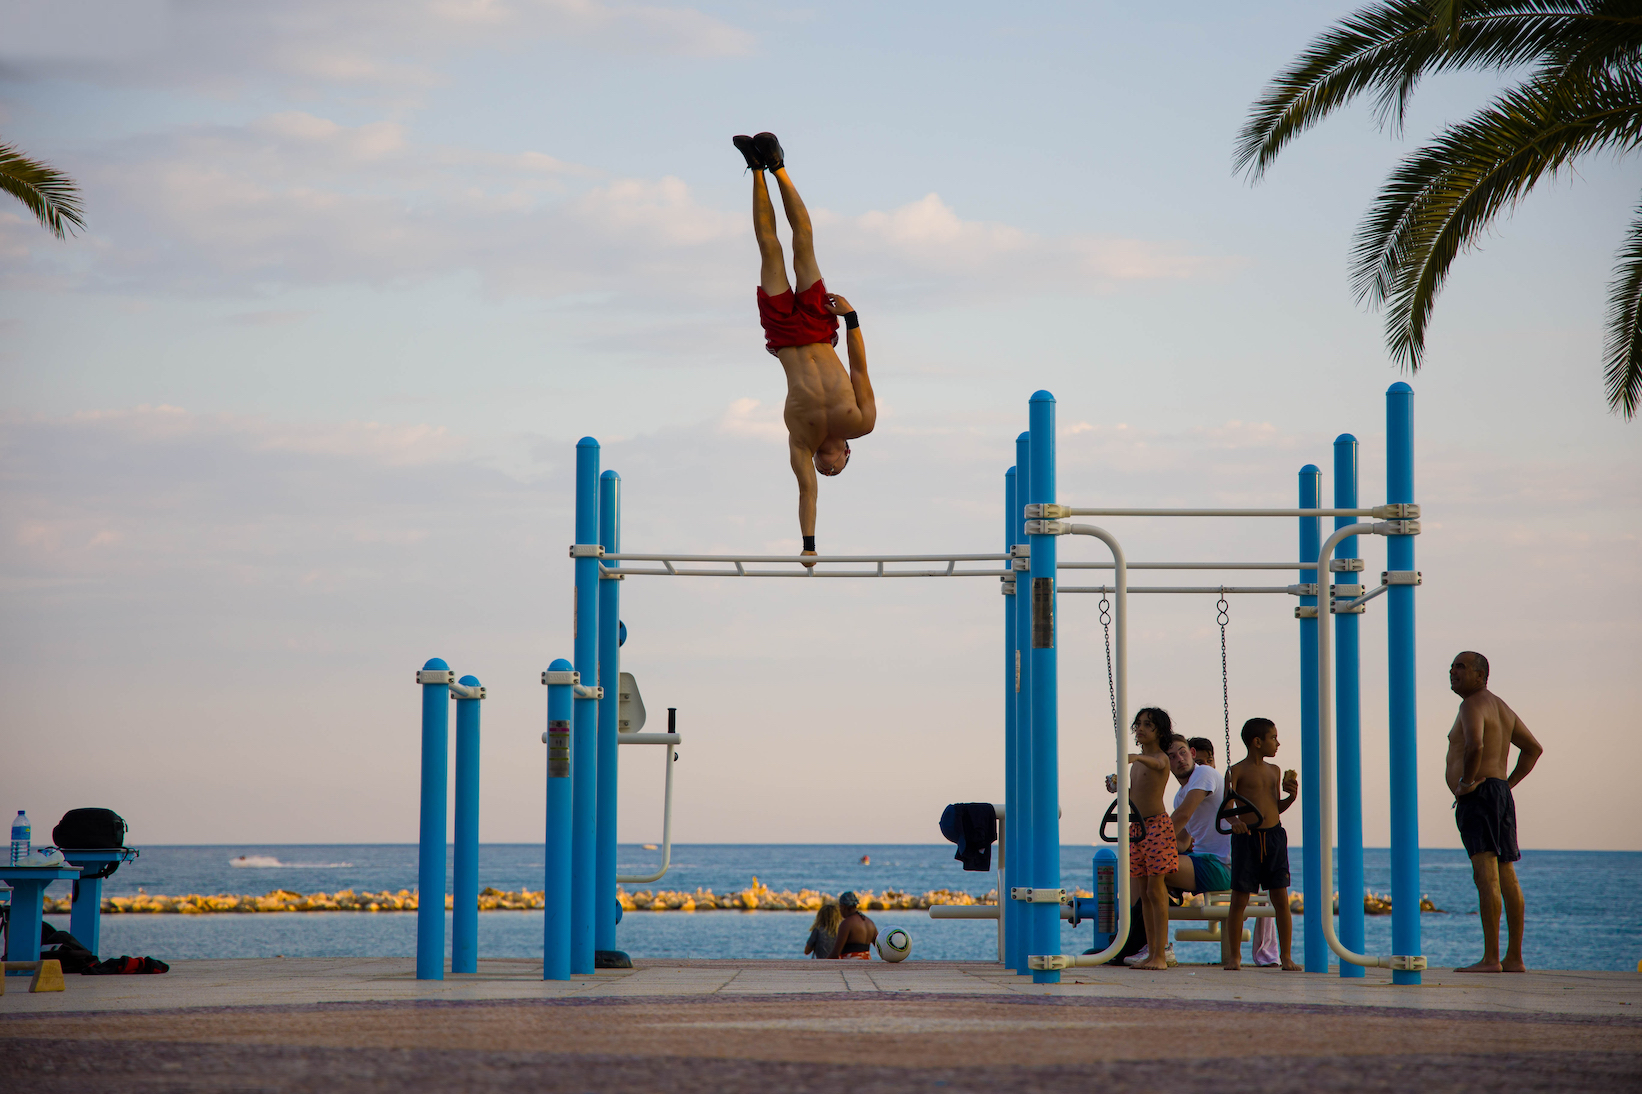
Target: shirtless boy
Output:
{"points": [[1260, 855], [1152, 855], [1478, 747], [856, 933], [827, 406]]}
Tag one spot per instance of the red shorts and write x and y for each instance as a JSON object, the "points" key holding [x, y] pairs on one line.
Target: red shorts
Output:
{"points": [[864, 955], [1155, 853], [796, 319]]}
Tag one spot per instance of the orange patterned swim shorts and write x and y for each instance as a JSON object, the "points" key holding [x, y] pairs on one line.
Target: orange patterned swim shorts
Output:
{"points": [[1152, 852]]}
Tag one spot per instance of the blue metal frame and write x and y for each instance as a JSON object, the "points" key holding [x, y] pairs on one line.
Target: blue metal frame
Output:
{"points": [[556, 881], [609, 678], [584, 728], [1317, 889], [1043, 919], [1404, 721], [1348, 751], [1019, 806], [430, 862], [464, 942], [1011, 743]]}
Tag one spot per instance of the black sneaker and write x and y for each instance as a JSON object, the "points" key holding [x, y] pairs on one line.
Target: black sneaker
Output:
{"points": [[769, 151], [749, 151]]}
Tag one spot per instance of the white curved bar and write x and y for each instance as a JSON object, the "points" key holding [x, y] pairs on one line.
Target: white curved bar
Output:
{"points": [[669, 739], [1325, 734], [1076, 512], [1121, 688]]}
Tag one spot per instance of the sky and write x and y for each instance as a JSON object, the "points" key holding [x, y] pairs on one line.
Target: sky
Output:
{"points": [[298, 410]]}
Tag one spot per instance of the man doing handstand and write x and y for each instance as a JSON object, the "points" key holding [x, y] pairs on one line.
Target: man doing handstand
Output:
{"points": [[827, 406]]}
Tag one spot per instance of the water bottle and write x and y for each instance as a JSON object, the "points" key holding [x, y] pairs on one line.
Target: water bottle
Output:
{"points": [[20, 833]]}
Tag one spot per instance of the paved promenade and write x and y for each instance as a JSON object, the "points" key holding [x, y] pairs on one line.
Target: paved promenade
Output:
{"points": [[727, 1026]]}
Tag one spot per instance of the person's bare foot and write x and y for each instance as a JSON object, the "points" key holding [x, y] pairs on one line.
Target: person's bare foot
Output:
{"points": [[1149, 967], [1509, 965], [1235, 966], [1290, 966], [1482, 966]]}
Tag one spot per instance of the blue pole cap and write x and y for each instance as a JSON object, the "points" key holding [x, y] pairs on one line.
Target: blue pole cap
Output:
{"points": [[587, 442], [1311, 469], [1345, 438], [436, 663], [621, 633], [561, 665], [1042, 397], [469, 681], [1399, 388], [607, 474]]}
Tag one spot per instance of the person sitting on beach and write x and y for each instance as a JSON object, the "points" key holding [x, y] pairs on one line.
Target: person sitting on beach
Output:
{"points": [[1479, 746], [824, 931], [1152, 848], [856, 933], [1259, 855]]}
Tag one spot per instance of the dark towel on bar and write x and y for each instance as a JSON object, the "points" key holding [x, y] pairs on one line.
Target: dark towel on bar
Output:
{"points": [[973, 826]]}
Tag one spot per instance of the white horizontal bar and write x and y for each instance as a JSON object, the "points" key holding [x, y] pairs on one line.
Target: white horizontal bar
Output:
{"points": [[806, 559], [672, 572], [1192, 566], [1076, 512], [1176, 589], [648, 738], [963, 911]]}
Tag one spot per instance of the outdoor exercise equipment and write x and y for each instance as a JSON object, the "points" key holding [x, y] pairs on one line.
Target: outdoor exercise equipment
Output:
{"points": [[1033, 524], [439, 686]]}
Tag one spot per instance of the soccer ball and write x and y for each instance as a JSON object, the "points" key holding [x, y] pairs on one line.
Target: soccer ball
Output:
{"points": [[894, 945]]}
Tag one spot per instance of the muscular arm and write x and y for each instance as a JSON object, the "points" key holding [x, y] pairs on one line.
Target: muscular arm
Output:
{"points": [[1188, 806], [1528, 751], [860, 382], [803, 467]]}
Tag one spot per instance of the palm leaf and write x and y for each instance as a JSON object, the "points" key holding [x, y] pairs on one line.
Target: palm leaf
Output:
{"points": [[1439, 199], [50, 195], [1624, 348], [1387, 48]]}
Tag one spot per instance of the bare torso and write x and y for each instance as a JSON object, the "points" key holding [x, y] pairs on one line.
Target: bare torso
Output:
{"points": [[1258, 781], [856, 930], [1148, 779], [1499, 724], [821, 398]]}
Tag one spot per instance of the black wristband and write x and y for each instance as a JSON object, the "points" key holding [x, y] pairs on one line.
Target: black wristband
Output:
{"points": [[809, 543], [850, 321]]}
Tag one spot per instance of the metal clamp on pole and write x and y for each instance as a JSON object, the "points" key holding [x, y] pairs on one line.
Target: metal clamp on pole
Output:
{"points": [[1047, 527], [581, 691], [1306, 611], [460, 691], [1048, 511], [1028, 895], [1408, 962], [1396, 528], [1406, 510], [1306, 589], [1008, 583], [563, 679], [1345, 566], [1400, 577], [435, 676], [587, 550]]}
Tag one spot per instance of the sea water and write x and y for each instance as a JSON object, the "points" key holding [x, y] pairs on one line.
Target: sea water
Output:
{"points": [[1582, 907]]}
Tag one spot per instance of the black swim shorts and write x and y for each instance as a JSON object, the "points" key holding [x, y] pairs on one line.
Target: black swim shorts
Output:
{"points": [[1260, 860], [1487, 820]]}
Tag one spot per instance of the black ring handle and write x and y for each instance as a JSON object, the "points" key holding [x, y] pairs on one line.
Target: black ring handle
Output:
{"points": [[1230, 808], [1111, 818]]}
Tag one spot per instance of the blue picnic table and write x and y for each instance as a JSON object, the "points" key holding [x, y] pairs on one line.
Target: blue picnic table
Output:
{"points": [[28, 890]]}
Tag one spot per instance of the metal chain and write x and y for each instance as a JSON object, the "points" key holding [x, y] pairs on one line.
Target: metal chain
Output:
{"points": [[1223, 616], [1106, 629]]}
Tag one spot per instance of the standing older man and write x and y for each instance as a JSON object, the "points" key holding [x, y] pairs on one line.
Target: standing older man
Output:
{"points": [[1479, 747]]}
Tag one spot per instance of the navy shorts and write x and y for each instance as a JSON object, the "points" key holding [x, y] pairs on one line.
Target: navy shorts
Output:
{"points": [[1487, 820], [1260, 860]]}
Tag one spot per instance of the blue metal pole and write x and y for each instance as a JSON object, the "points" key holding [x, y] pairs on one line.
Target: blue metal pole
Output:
{"points": [[604, 903], [430, 859], [1348, 751], [556, 880], [1023, 710], [464, 946], [584, 732], [1011, 743], [1405, 802], [1043, 919], [1316, 887]]}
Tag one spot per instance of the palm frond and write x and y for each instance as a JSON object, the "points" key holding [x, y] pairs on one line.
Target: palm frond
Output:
{"points": [[50, 195], [1438, 200], [1388, 47], [1624, 349]]}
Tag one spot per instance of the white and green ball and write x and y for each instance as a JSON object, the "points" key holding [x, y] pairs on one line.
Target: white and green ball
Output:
{"points": [[895, 945]]}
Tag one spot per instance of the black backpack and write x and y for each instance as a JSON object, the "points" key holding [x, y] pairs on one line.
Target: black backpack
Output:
{"points": [[89, 829]]}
